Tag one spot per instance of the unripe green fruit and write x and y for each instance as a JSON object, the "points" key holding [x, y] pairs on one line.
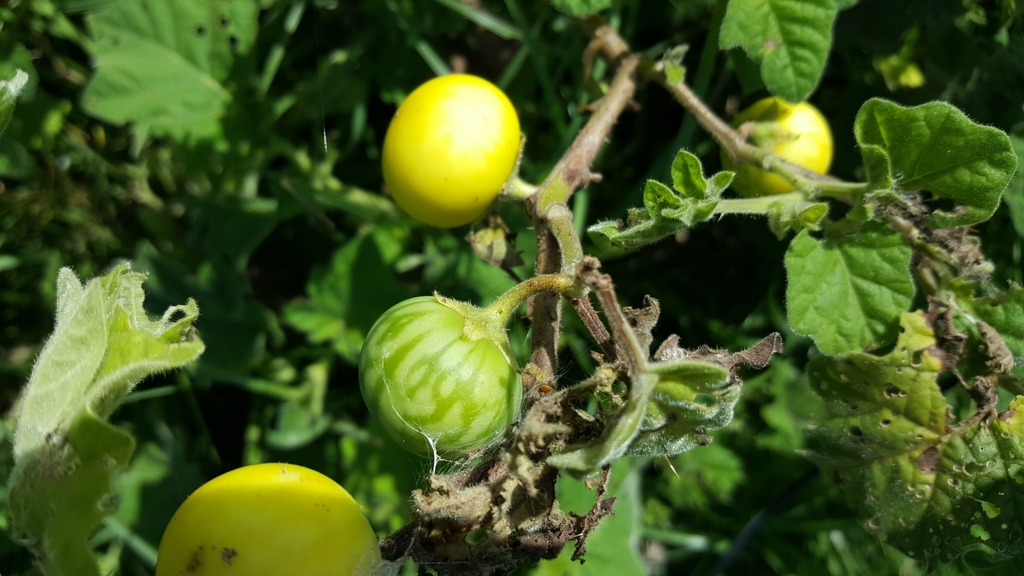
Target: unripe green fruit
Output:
{"points": [[434, 390]]}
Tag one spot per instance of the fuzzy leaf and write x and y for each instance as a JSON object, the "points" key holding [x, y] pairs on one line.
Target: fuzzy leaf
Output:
{"points": [[1014, 195], [936, 148], [865, 275], [790, 38], [66, 454], [936, 491], [666, 211]]}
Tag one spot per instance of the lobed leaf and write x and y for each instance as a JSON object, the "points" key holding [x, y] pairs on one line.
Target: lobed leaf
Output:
{"points": [[865, 275], [789, 38], [936, 148], [936, 491], [347, 298]]}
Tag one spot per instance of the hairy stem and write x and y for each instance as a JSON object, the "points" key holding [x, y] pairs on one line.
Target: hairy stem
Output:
{"points": [[558, 246]]}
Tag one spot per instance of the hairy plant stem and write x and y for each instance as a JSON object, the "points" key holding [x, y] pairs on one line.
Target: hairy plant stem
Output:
{"points": [[739, 150], [503, 306], [558, 246]]}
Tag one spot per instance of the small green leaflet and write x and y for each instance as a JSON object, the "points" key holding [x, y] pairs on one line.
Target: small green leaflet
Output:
{"points": [[866, 275], [66, 453], [937, 490], [790, 38], [161, 63], [936, 148], [666, 211]]}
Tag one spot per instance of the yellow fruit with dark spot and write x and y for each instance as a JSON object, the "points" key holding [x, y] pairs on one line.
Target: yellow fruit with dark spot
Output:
{"points": [[269, 520]]}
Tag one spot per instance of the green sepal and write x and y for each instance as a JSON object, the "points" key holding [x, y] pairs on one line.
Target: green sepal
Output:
{"points": [[586, 459], [690, 398], [60, 492], [796, 216]]}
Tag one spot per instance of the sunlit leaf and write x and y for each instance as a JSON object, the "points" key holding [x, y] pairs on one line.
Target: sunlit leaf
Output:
{"points": [[790, 38], [865, 275], [936, 148]]}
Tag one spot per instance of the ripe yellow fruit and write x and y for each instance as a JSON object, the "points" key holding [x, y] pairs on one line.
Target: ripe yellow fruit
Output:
{"points": [[269, 520], [795, 132], [451, 147]]}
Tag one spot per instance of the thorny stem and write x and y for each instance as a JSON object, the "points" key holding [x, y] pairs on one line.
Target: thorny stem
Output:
{"points": [[557, 242], [634, 355]]}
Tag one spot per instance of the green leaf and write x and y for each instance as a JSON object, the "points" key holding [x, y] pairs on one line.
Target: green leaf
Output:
{"points": [[790, 38], [1014, 195], [9, 91], [162, 63], [613, 548], [706, 476], [666, 212], [936, 491], [66, 454], [581, 8], [1005, 313], [866, 276], [936, 148], [347, 298]]}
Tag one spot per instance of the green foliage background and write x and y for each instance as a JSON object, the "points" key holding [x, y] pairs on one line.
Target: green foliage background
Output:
{"points": [[230, 148]]}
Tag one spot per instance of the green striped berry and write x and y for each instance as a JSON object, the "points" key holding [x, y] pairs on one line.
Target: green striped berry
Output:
{"points": [[436, 391]]}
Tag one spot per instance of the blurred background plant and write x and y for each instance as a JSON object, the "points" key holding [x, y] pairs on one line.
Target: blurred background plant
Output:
{"points": [[230, 148]]}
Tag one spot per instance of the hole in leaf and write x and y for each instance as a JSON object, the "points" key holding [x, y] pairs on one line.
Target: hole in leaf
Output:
{"points": [[855, 431], [884, 423], [891, 391], [915, 358], [233, 40], [928, 461], [201, 31]]}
